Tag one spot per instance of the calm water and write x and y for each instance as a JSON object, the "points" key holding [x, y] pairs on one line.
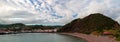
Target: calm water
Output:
{"points": [[39, 37]]}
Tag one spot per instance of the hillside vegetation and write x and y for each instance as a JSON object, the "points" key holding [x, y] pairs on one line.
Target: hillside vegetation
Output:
{"points": [[93, 22]]}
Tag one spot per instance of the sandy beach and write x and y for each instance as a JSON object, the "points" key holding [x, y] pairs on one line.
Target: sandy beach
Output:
{"points": [[92, 38]]}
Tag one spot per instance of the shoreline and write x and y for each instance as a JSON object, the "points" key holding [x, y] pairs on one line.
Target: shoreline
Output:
{"points": [[91, 38], [24, 32], [88, 38]]}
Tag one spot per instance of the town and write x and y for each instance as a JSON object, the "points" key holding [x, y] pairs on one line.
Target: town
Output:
{"points": [[22, 28]]}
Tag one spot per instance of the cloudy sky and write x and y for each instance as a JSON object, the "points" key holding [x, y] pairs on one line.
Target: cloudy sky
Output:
{"points": [[55, 12]]}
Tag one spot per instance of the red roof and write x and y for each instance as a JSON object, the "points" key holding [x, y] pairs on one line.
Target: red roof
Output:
{"points": [[107, 33]]}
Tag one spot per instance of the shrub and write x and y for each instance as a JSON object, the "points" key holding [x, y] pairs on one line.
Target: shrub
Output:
{"points": [[97, 33]]}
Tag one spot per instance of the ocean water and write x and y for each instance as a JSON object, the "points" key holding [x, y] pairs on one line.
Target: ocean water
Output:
{"points": [[39, 37]]}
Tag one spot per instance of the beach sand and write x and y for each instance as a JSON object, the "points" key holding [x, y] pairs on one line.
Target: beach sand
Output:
{"points": [[92, 38]]}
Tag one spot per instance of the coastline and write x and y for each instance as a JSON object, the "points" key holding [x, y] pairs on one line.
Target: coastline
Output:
{"points": [[91, 38]]}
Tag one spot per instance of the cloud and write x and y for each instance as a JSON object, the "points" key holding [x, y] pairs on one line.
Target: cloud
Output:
{"points": [[55, 11]]}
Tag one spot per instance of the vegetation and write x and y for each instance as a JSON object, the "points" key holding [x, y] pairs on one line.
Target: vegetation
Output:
{"points": [[95, 24], [21, 26], [97, 33]]}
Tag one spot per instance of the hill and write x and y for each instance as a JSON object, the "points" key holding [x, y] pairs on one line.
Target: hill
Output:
{"points": [[91, 23]]}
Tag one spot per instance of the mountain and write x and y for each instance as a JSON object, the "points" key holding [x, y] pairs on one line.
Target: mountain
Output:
{"points": [[91, 23]]}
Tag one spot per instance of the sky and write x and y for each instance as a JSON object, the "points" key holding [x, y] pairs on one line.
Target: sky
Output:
{"points": [[55, 12]]}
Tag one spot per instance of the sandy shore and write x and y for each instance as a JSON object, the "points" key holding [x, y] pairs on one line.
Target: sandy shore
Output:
{"points": [[92, 38]]}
